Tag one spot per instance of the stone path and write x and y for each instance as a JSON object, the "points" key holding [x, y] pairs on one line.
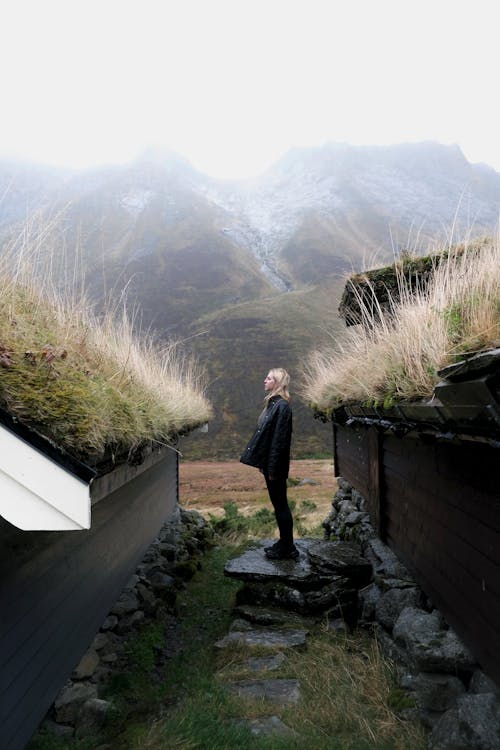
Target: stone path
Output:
{"points": [[277, 602]]}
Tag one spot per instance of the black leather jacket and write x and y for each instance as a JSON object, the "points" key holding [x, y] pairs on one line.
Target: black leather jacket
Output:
{"points": [[269, 446]]}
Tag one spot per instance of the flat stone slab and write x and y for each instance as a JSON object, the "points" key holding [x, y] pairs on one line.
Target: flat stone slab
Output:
{"points": [[265, 638], [342, 558], [265, 663], [317, 563], [268, 725], [269, 616], [253, 565], [281, 692]]}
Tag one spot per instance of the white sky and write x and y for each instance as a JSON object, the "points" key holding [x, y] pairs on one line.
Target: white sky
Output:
{"points": [[233, 84]]}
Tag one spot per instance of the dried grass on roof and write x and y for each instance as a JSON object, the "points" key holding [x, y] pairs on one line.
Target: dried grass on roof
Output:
{"points": [[396, 354], [87, 382]]}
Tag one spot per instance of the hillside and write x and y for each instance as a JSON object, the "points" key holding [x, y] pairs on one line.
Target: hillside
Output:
{"points": [[250, 272]]}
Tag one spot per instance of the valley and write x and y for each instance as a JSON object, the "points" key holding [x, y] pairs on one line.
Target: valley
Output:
{"points": [[247, 275]]}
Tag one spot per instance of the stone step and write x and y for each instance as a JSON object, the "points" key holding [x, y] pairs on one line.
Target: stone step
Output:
{"points": [[319, 561], [265, 663], [281, 692], [265, 638], [272, 616], [266, 726]]}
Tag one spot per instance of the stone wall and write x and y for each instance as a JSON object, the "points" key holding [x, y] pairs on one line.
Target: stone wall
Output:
{"points": [[441, 682], [149, 595]]}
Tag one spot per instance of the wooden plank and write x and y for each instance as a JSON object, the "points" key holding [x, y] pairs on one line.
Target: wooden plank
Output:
{"points": [[375, 498], [336, 471], [484, 539], [460, 563]]}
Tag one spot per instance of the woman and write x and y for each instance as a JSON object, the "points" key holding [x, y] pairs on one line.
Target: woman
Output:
{"points": [[269, 451]]}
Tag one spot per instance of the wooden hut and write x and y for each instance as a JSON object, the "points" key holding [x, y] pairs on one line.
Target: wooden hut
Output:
{"points": [[429, 471], [70, 537]]}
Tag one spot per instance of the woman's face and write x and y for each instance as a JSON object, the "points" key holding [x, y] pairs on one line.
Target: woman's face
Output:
{"points": [[269, 383]]}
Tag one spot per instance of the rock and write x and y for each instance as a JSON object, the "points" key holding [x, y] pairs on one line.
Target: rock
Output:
{"points": [[240, 625], [70, 699], [265, 638], [436, 692], [128, 602], [367, 600], [358, 499], [305, 481], [389, 647], [110, 658], [338, 626], [385, 563], [149, 601], [168, 551], [265, 663], [346, 507], [87, 665], [387, 584], [356, 517], [254, 566], [91, 717], [131, 583], [110, 623], [344, 485], [481, 683], [266, 616], [390, 605], [304, 602], [277, 691], [342, 558], [130, 622], [57, 730], [105, 642], [163, 585], [473, 724], [270, 725], [430, 648]]}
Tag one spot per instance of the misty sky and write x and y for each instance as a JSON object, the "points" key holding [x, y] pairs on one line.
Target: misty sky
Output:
{"points": [[233, 84]]}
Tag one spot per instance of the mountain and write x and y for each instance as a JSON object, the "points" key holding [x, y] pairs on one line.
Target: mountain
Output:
{"points": [[248, 272]]}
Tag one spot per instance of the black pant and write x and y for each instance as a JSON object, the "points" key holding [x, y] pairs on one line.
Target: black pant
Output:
{"points": [[277, 494]]}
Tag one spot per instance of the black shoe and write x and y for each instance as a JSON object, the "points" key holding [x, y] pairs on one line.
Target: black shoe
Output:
{"points": [[279, 552], [275, 546]]}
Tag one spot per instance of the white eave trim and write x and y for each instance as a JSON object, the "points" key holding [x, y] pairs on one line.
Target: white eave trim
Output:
{"points": [[36, 494]]}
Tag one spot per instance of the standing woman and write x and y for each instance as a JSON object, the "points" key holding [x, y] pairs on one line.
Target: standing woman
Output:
{"points": [[269, 451]]}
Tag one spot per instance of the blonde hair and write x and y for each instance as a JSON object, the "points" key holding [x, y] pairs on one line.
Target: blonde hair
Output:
{"points": [[282, 381]]}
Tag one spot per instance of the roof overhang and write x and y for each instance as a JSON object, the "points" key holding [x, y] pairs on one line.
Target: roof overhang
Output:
{"points": [[36, 493], [44, 488]]}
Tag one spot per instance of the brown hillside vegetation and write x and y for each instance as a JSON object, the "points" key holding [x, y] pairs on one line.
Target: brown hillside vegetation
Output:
{"points": [[206, 486]]}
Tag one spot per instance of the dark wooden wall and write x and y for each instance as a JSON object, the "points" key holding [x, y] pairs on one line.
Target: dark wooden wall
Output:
{"points": [[437, 505], [56, 588]]}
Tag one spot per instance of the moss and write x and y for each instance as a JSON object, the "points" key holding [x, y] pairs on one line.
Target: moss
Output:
{"points": [[398, 699]]}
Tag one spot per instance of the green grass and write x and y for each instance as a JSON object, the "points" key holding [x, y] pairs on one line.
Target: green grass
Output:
{"points": [[349, 692]]}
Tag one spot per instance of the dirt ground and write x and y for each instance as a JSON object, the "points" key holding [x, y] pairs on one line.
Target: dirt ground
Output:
{"points": [[206, 486]]}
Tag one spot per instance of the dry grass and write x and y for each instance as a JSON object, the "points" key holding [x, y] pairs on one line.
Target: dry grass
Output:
{"points": [[396, 356], [89, 382], [350, 690], [350, 693]]}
